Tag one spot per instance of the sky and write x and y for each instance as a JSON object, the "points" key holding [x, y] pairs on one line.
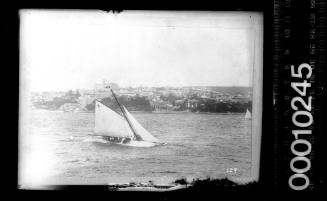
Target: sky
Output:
{"points": [[72, 49]]}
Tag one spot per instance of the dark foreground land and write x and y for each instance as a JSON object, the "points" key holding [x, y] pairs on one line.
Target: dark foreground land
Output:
{"points": [[214, 185], [179, 186], [198, 185]]}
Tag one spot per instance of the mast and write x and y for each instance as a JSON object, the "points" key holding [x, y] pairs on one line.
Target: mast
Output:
{"points": [[124, 114]]}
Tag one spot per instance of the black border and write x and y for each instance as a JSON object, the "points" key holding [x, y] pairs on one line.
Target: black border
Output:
{"points": [[268, 164], [12, 34]]}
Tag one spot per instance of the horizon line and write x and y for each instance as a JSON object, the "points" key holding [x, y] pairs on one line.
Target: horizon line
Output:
{"points": [[74, 89]]}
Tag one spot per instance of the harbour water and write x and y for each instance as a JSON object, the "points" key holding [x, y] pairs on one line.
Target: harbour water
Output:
{"points": [[59, 148]]}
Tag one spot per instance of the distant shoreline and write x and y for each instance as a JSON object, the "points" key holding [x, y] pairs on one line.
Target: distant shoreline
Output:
{"points": [[150, 112]]}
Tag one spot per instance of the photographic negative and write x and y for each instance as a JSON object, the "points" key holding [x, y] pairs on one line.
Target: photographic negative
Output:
{"points": [[139, 99]]}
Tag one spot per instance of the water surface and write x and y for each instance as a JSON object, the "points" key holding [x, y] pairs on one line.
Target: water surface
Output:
{"points": [[58, 148]]}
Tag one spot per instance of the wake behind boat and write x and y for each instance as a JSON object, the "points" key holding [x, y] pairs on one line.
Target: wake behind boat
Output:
{"points": [[121, 129]]}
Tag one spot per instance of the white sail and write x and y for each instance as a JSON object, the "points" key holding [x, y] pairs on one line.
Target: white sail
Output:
{"points": [[109, 123], [248, 114], [138, 128]]}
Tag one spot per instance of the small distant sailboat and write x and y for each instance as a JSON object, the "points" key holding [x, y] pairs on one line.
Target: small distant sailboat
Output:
{"points": [[248, 114], [121, 129]]}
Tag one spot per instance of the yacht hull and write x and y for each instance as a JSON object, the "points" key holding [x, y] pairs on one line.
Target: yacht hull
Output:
{"points": [[131, 143]]}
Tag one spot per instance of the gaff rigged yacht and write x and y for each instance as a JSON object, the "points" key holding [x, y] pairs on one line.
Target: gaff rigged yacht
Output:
{"points": [[121, 129], [248, 114]]}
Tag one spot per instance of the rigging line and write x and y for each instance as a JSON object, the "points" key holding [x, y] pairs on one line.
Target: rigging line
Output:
{"points": [[124, 113]]}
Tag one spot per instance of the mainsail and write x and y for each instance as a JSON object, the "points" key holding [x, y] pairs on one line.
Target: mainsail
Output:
{"points": [[110, 123], [248, 114], [138, 128]]}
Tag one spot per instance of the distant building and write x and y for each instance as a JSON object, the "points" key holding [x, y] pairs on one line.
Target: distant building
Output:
{"points": [[192, 103], [71, 107], [45, 96], [147, 93], [86, 99], [86, 92], [161, 105], [240, 99], [102, 94], [179, 102], [126, 92]]}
